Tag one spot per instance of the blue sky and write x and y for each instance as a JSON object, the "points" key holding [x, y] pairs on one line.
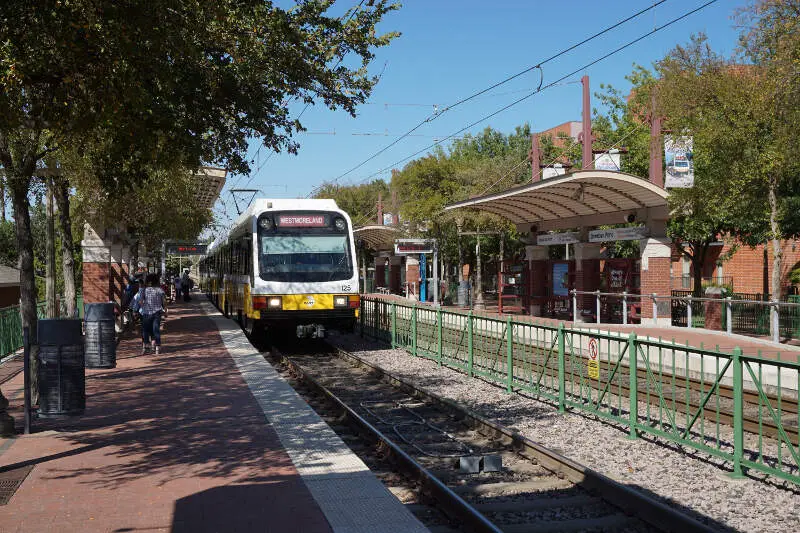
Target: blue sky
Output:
{"points": [[450, 49]]}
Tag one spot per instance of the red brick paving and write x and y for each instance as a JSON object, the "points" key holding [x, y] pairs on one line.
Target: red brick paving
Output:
{"points": [[169, 443]]}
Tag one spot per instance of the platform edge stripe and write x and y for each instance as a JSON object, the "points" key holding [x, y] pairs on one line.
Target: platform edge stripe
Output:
{"points": [[348, 493]]}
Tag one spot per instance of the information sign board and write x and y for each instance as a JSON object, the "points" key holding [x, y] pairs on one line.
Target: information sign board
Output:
{"points": [[549, 239], [413, 246], [186, 249], [619, 234]]}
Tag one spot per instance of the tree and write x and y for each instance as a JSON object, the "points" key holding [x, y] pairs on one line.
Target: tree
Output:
{"points": [[359, 201], [772, 41], [186, 81]]}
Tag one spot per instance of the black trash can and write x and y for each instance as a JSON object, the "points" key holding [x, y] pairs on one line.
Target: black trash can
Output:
{"points": [[62, 379], [100, 339]]}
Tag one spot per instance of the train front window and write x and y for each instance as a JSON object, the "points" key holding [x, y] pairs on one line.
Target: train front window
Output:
{"points": [[296, 256]]}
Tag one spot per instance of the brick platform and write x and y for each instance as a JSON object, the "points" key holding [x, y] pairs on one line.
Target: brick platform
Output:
{"points": [[169, 443]]}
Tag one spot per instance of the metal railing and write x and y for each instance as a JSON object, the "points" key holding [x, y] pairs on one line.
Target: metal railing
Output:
{"points": [[700, 398], [689, 311], [11, 324]]}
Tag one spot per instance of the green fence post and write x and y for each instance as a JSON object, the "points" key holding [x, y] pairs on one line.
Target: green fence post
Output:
{"points": [[439, 334], [562, 370], [394, 326], [470, 355], [414, 330], [633, 393], [509, 356], [738, 425]]}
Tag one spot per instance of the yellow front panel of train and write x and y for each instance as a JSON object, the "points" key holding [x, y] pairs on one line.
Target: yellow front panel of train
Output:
{"points": [[307, 302]]}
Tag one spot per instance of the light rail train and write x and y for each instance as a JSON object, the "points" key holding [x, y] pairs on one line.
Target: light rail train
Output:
{"points": [[286, 264]]}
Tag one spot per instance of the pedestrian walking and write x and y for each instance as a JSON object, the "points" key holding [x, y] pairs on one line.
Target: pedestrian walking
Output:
{"points": [[152, 306], [186, 285], [177, 283]]}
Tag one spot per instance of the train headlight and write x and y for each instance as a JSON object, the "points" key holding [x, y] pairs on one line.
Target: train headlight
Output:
{"points": [[340, 224], [265, 223], [340, 301], [275, 302]]}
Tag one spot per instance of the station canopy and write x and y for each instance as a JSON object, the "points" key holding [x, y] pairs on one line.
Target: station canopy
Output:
{"points": [[377, 237], [210, 181], [583, 198]]}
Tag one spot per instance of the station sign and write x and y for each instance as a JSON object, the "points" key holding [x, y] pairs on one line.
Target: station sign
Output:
{"points": [[619, 234], [413, 246], [174, 248], [549, 239]]}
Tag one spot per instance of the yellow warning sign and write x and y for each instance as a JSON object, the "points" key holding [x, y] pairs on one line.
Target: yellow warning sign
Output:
{"points": [[592, 364], [593, 368]]}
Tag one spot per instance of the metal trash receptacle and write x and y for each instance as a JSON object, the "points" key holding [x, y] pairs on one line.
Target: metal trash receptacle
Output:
{"points": [[62, 378], [463, 294], [100, 339]]}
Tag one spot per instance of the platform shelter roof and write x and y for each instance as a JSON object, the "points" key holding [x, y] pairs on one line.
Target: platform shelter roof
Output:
{"points": [[377, 237], [582, 198], [210, 181]]}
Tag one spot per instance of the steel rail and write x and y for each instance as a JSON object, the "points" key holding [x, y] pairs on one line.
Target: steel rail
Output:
{"points": [[452, 503], [648, 509]]}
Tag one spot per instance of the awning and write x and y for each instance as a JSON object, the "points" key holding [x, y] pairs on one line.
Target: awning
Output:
{"points": [[377, 237], [583, 198], [210, 181]]}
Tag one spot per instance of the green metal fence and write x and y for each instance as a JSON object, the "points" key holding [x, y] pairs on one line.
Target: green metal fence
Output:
{"points": [[11, 325], [740, 408]]}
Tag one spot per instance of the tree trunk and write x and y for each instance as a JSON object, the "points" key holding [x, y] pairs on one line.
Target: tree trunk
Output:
{"points": [[50, 253], [18, 187], [3, 198], [697, 271], [61, 192], [777, 252]]}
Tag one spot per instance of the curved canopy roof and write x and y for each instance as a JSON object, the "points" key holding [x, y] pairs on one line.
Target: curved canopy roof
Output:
{"points": [[587, 197], [377, 237]]}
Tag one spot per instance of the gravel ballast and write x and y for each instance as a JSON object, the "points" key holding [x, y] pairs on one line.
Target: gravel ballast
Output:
{"points": [[686, 478]]}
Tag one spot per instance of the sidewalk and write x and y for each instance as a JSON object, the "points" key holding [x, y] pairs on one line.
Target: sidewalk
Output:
{"points": [[174, 443]]}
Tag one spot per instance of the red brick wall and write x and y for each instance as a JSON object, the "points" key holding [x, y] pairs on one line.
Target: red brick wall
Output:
{"points": [[750, 269], [655, 280], [96, 281], [588, 280], [412, 278]]}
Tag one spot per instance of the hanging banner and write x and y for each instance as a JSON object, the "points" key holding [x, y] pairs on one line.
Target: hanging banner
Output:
{"points": [[549, 239], [679, 160], [387, 219], [619, 234], [607, 161]]}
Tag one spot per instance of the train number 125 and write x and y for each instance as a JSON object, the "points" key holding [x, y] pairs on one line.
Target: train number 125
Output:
{"points": [[346, 288]]}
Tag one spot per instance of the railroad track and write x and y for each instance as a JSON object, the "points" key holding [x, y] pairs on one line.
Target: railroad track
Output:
{"points": [[483, 476]]}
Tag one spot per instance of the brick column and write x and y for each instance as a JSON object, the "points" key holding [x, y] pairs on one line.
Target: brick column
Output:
{"points": [[412, 276], [537, 267], [96, 271], [380, 272], [713, 310], [655, 279], [587, 274]]}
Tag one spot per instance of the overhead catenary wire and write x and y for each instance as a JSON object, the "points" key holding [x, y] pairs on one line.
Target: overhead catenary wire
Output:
{"points": [[252, 175], [497, 84], [543, 88]]}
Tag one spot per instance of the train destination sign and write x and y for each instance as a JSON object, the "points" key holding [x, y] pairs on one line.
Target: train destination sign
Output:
{"points": [[302, 221], [186, 248], [412, 246]]}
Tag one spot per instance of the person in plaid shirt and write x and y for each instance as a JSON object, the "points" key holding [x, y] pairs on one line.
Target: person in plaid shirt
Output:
{"points": [[152, 305]]}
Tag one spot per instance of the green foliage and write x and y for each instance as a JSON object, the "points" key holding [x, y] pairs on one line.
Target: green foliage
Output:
{"points": [[358, 201], [8, 244]]}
